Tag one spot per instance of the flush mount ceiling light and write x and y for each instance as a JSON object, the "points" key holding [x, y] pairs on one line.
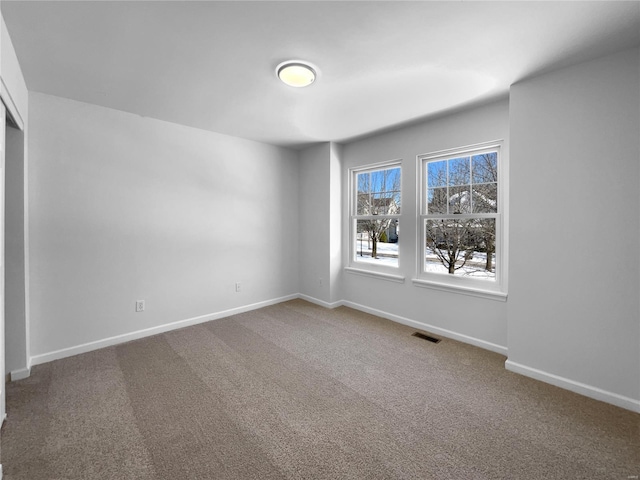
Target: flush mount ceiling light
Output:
{"points": [[296, 73]]}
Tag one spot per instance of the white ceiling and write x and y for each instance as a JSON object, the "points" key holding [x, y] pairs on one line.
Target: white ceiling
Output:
{"points": [[211, 65]]}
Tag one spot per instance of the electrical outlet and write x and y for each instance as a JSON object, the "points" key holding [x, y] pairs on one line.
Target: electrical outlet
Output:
{"points": [[320, 281], [139, 305], [237, 287]]}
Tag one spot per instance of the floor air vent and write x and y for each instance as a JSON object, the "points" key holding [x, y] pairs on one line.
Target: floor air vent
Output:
{"points": [[426, 337]]}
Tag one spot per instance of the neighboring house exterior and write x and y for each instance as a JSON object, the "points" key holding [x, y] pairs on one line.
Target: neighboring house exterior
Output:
{"points": [[388, 206]]}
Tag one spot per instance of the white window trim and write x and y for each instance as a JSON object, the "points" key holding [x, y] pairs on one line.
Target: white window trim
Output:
{"points": [[369, 273], [495, 290], [473, 292], [384, 272]]}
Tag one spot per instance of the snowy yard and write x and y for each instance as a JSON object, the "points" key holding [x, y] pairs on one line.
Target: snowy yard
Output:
{"points": [[388, 255]]}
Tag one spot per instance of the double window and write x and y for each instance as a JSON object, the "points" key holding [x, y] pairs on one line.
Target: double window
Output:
{"points": [[375, 215], [460, 222]]}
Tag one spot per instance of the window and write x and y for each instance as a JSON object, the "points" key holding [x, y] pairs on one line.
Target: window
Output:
{"points": [[375, 193], [460, 224]]}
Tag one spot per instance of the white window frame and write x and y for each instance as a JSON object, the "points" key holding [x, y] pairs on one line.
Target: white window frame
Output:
{"points": [[385, 272], [492, 289]]}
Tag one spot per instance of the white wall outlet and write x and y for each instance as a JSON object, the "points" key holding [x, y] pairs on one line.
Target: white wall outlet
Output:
{"points": [[139, 305], [238, 287]]}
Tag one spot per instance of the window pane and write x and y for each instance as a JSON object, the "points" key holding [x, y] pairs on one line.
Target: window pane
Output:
{"points": [[461, 247], [437, 200], [485, 198], [363, 182], [364, 203], [459, 171], [384, 204], [379, 192], [377, 241], [460, 199], [363, 195], [485, 168], [437, 174]]}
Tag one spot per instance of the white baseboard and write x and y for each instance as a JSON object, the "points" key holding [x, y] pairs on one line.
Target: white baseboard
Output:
{"points": [[322, 303], [20, 374], [430, 328], [577, 387], [127, 337], [108, 342]]}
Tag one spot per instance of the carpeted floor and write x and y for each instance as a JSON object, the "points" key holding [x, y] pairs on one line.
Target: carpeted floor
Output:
{"points": [[296, 391]]}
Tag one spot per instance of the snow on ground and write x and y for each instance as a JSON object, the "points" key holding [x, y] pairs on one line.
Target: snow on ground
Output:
{"points": [[473, 268], [388, 255]]}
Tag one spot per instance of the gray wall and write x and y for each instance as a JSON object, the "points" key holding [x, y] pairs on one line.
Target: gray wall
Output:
{"points": [[14, 287], [575, 201], [124, 207], [336, 212], [476, 320], [314, 222], [320, 223], [16, 96]]}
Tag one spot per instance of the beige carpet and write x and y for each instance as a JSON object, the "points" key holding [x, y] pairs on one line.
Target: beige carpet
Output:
{"points": [[296, 391]]}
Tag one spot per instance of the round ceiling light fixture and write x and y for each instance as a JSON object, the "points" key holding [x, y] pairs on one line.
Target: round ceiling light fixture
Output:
{"points": [[296, 73]]}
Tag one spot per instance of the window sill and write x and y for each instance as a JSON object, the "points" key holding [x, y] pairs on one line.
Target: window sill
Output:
{"points": [[474, 292], [369, 273]]}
